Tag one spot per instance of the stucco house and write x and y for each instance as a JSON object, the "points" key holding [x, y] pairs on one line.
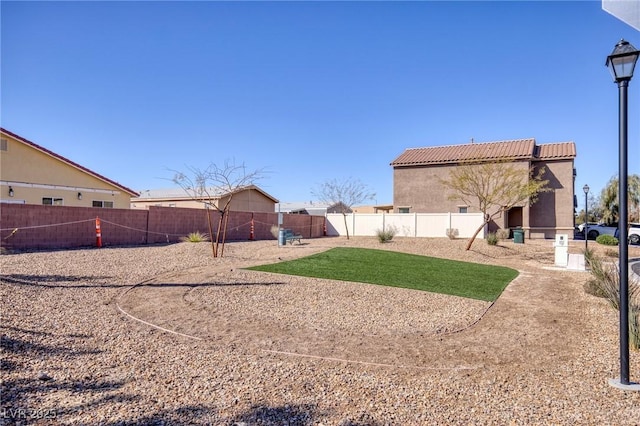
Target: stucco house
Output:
{"points": [[249, 198], [309, 208], [32, 174], [418, 172]]}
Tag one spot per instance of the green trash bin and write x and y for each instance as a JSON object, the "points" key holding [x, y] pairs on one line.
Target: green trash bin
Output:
{"points": [[518, 236]]}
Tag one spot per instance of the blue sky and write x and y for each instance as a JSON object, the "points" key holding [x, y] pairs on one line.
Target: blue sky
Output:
{"points": [[309, 90]]}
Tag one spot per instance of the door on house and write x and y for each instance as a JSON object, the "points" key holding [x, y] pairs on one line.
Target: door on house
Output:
{"points": [[514, 217]]}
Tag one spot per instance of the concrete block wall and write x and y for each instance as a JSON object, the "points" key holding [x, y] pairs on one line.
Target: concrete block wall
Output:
{"points": [[58, 227]]}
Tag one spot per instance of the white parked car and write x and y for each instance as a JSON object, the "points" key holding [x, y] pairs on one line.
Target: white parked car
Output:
{"points": [[634, 233], [581, 226], [594, 231]]}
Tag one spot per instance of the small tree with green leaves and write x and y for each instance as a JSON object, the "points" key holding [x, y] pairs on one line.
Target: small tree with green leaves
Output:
{"points": [[343, 194], [609, 199], [594, 210], [494, 187]]}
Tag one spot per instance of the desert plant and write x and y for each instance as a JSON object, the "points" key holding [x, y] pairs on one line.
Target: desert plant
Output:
{"points": [[492, 239], [593, 287], [611, 253], [503, 234], [606, 282], [386, 235], [452, 233], [588, 255], [195, 237], [634, 325], [607, 240]]}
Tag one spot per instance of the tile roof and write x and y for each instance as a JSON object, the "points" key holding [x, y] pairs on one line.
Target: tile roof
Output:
{"points": [[173, 194], [178, 194], [69, 162], [518, 149], [559, 150]]}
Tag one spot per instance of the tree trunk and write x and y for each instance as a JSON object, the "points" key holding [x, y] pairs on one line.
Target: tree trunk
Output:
{"points": [[473, 238], [224, 232], [218, 233], [213, 247], [344, 215], [225, 214]]}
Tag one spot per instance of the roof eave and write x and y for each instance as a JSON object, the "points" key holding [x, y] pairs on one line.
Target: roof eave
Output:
{"points": [[69, 162]]}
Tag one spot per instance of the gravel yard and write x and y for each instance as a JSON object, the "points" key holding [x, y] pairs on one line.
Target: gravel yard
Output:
{"points": [[169, 335]]}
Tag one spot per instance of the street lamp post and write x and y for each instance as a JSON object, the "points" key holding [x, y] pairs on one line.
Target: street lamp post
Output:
{"points": [[585, 188], [621, 63]]}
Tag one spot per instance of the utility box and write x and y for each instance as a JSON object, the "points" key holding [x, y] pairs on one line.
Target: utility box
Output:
{"points": [[562, 250]]}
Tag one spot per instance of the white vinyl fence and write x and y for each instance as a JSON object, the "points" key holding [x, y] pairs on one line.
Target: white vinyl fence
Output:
{"points": [[407, 224]]}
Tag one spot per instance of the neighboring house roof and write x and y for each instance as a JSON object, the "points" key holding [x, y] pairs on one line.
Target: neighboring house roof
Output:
{"points": [[68, 162], [179, 194], [518, 149], [310, 208], [300, 206]]}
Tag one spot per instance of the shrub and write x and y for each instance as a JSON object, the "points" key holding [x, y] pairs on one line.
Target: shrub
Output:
{"points": [[634, 325], [195, 237], [492, 239], [606, 282], [611, 253], [605, 277], [452, 233], [386, 235], [593, 287], [607, 240], [588, 255], [503, 234]]}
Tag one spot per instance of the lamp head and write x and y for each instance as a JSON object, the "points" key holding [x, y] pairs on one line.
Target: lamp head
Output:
{"points": [[622, 61]]}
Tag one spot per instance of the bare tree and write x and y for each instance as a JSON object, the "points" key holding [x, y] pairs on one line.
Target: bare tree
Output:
{"points": [[215, 186], [343, 194], [494, 188]]}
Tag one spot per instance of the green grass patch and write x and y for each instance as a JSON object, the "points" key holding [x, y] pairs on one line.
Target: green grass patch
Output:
{"points": [[472, 280]]}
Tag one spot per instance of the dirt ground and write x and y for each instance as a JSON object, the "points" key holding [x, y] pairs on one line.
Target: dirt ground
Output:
{"points": [[538, 321], [164, 335]]}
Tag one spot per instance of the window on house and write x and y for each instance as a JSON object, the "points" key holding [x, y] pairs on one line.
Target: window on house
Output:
{"points": [[403, 209], [100, 203], [3, 144], [463, 209], [52, 201]]}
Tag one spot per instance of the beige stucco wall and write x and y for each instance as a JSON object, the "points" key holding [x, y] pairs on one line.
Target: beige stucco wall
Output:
{"points": [[33, 175], [245, 201], [553, 213], [139, 204], [420, 189]]}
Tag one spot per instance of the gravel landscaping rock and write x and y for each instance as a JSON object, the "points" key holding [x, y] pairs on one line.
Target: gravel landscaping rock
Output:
{"points": [[166, 335]]}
